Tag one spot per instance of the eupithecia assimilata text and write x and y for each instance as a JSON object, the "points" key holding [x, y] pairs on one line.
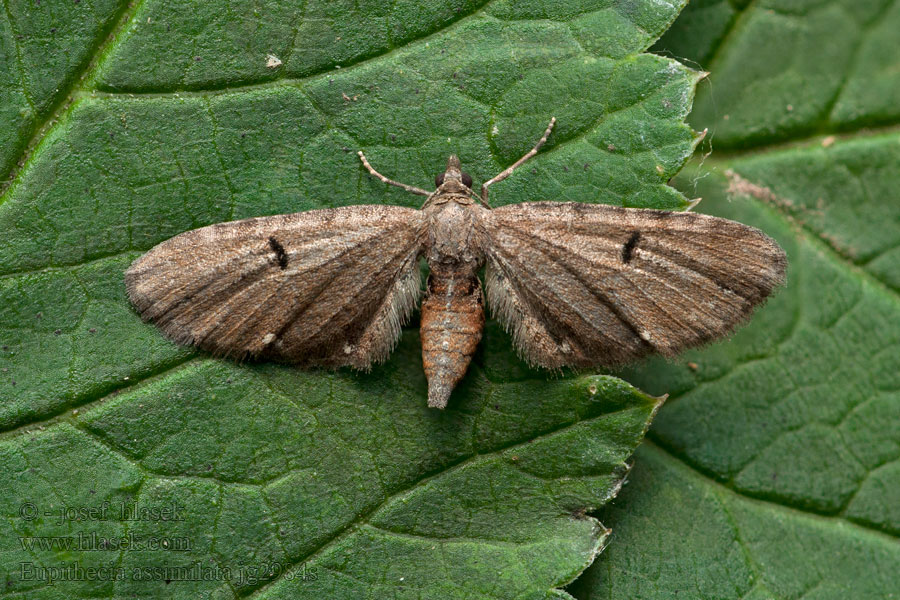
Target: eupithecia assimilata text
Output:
{"points": [[577, 285]]}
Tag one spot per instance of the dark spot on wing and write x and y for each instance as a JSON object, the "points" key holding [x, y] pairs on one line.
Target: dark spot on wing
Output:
{"points": [[630, 245], [280, 254]]}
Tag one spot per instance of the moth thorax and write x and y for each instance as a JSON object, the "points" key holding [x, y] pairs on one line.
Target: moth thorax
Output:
{"points": [[451, 236]]}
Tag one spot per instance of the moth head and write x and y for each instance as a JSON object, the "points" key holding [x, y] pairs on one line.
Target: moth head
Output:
{"points": [[453, 178]]}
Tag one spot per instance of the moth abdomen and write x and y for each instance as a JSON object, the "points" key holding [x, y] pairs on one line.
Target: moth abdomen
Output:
{"points": [[451, 326]]}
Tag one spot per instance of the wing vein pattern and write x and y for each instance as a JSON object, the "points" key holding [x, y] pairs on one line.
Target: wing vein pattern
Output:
{"points": [[595, 285], [327, 287]]}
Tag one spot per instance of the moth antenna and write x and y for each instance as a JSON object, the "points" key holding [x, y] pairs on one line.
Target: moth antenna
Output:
{"points": [[409, 188], [509, 170]]}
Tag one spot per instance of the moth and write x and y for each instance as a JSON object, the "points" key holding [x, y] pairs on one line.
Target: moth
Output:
{"points": [[578, 285]]}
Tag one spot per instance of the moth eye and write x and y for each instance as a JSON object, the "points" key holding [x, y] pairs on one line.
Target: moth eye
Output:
{"points": [[467, 180], [439, 180]]}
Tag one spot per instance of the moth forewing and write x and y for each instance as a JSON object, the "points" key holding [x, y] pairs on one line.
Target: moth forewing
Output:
{"points": [[608, 285], [327, 287]]}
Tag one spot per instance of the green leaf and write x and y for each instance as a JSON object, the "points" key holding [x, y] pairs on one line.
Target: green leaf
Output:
{"points": [[774, 469], [44, 48], [278, 482], [781, 69]]}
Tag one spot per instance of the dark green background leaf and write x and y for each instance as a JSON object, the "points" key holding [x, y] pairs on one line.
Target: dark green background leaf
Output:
{"points": [[165, 116], [773, 470]]}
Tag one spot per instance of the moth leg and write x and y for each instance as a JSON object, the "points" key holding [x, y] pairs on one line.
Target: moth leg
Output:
{"points": [[515, 165], [409, 188]]}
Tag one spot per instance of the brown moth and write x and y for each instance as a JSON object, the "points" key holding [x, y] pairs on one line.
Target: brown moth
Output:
{"points": [[578, 285]]}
